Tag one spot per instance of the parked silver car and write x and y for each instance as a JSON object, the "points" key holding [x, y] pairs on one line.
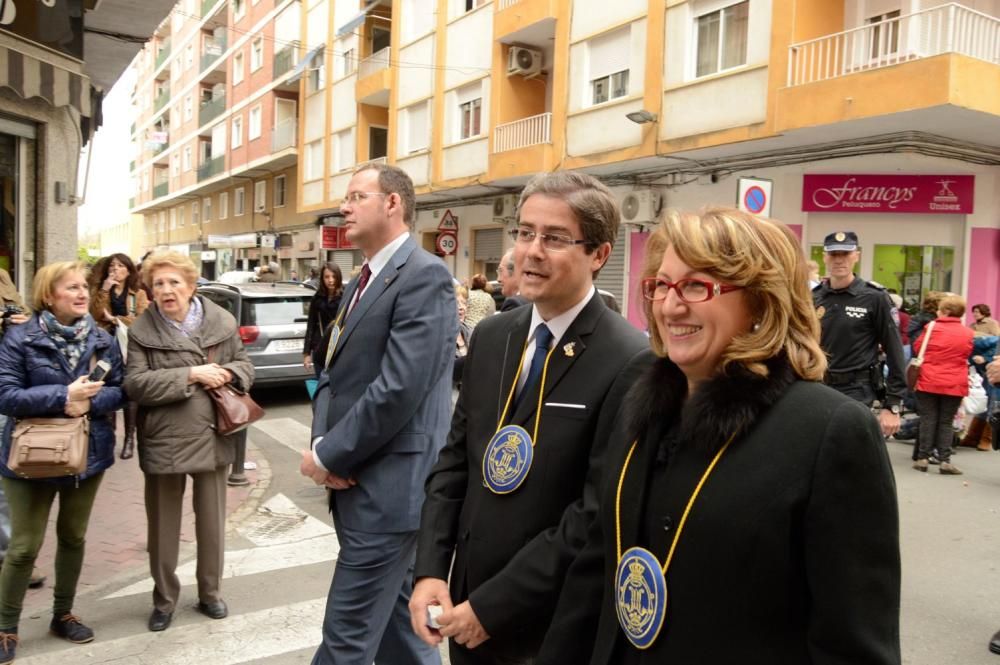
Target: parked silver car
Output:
{"points": [[272, 319]]}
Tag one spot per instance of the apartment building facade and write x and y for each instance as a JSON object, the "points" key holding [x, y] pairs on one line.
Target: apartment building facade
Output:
{"points": [[55, 65], [840, 106], [215, 136]]}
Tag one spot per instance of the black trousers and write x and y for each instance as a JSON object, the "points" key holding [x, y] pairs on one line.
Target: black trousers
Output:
{"points": [[936, 415]]}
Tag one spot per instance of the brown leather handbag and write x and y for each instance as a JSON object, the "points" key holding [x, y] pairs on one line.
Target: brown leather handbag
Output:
{"points": [[235, 410], [49, 447]]}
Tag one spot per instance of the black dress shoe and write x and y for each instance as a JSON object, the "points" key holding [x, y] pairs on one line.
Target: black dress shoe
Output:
{"points": [[995, 642], [215, 610], [160, 620]]}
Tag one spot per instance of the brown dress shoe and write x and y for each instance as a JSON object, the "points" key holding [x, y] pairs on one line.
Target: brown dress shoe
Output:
{"points": [[948, 469]]}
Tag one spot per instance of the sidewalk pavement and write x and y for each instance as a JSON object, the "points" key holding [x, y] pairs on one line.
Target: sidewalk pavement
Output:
{"points": [[116, 537]]}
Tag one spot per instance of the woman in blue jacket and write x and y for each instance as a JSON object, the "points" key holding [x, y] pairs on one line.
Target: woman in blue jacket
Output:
{"points": [[44, 365]]}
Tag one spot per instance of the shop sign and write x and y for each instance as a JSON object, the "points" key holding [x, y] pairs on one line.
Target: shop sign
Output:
{"points": [[334, 237], [54, 24], [242, 240], [888, 193], [208, 255], [269, 241]]}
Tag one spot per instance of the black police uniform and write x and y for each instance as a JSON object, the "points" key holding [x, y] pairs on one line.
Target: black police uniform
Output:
{"points": [[856, 320]]}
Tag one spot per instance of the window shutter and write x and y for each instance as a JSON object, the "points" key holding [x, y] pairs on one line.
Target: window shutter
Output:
{"points": [[489, 245], [609, 53]]}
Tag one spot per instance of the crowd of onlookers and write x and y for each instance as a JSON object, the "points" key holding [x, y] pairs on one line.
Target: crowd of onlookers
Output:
{"points": [[164, 346]]}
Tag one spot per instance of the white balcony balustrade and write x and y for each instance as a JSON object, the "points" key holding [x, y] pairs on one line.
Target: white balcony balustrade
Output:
{"points": [[949, 28], [376, 62], [521, 133]]}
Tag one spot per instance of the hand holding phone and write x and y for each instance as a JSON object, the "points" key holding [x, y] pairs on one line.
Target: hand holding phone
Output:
{"points": [[100, 371]]}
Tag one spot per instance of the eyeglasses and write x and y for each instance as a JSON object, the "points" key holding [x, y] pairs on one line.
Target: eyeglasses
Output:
{"points": [[355, 198], [551, 242], [691, 291]]}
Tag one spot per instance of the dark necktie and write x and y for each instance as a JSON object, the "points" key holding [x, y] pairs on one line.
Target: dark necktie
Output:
{"points": [[543, 338], [363, 278]]}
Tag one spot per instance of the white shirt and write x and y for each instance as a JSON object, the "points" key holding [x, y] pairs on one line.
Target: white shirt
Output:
{"points": [[558, 325], [375, 264]]}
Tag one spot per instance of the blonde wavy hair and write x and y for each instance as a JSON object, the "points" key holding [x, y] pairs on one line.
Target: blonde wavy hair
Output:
{"points": [[765, 258], [44, 283]]}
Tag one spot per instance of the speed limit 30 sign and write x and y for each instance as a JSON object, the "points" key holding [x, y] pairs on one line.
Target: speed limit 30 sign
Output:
{"points": [[447, 243]]}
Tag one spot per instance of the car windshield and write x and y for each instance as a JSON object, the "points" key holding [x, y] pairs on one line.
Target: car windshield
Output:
{"points": [[275, 311]]}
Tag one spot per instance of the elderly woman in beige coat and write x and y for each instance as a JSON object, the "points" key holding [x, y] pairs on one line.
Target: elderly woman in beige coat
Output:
{"points": [[177, 348]]}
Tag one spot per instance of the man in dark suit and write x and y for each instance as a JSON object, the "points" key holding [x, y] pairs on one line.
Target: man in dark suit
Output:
{"points": [[509, 283], [514, 525], [380, 417]]}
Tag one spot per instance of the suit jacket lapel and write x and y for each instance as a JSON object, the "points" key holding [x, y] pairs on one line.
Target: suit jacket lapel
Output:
{"points": [[560, 362], [376, 287]]}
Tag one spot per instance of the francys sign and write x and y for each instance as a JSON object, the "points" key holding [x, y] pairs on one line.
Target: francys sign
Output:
{"points": [[934, 194]]}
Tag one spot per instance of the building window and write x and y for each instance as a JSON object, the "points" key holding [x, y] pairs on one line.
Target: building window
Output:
{"points": [[259, 196], [472, 4], [257, 54], [253, 126], [187, 158], [173, 218], [175, 164], [343, 146], [188, 56], [239, 9], [180, 217], [223, 205], [884, 36], [188, 107], [206, 209], [722, 39], [239, 201], [279, 191], [237, 132], [195, 211], [314, 160], [238, 68], [316, 76], [610, 87], [471, 116], [417, 136], [347, 62], [608, 64]]}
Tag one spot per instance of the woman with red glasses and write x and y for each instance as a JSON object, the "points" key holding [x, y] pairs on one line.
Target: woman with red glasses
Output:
{"points": [[748, 512]]}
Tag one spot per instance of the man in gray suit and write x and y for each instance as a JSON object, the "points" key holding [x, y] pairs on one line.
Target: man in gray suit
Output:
{"points": [[509, 284], [381, 414]]}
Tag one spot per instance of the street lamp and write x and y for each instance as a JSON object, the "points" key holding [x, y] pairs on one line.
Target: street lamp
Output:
{"points": [[641, 117]]}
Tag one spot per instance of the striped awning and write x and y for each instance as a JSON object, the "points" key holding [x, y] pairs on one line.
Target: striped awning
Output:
{"points": [[30, 77]]}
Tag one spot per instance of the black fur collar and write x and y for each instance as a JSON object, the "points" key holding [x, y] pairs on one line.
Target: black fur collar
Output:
{"points": [[729, 403]]}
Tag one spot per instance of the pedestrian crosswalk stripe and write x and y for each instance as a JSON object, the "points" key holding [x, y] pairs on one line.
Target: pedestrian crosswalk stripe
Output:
{"points": [[240, 638], [307, 542], [286, 431]]}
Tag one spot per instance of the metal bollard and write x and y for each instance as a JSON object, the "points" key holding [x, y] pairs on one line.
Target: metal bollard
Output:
{"points": [[237, 476]]}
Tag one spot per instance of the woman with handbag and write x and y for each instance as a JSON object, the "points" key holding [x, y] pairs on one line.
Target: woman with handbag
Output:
{"points": [[116, 298], [943, 381], [44, 367], [322, 312], [748, 512], [182, 347]]}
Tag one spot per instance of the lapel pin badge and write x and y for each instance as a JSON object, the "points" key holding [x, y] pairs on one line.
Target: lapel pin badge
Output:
{"points": [[569, 349]]}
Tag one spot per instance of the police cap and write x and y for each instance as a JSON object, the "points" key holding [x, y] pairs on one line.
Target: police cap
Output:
{"points": [[841, 241]]}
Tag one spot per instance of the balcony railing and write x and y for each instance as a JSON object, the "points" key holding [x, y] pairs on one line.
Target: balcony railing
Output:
{"points": [[211, 109], [164, 53], [949, 28], [207, 6], [161, 189], [284, 60], [213, 51], [160, 101], [212, 167], [522, 133], [505, 4], [376, 62], [284, 135]]}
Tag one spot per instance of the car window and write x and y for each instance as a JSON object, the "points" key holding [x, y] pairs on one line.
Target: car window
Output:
{"points": [[222, 300], [275, 311]]}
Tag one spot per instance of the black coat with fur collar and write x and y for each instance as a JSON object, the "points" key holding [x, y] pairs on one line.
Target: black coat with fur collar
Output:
{"points": [[790, 554]]}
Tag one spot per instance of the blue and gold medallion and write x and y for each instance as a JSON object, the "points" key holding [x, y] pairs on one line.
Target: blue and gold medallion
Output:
{"points": [[507, 459], [641, 591]]}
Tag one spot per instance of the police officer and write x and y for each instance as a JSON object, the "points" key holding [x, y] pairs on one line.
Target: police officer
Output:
{"points": [[857, 319]]}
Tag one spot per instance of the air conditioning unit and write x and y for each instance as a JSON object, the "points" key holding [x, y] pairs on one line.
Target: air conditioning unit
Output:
{"points": [[505, 206], [523, 61], [641, 207]]}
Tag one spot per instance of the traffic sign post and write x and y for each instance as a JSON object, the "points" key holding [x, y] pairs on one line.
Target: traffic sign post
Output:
{"points": [[448, 222], [753, 195], [447, 243]]}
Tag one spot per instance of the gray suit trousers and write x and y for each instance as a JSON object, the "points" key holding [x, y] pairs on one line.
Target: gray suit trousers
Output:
{"points": [[367, 610]]}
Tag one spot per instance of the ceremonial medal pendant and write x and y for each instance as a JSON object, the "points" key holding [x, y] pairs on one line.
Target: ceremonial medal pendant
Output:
{"points": [[641, 592], [507, 459]]}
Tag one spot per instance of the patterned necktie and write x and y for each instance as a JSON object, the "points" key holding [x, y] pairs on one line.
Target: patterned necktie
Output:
{"points": [[366, 274], [543, 338]]}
